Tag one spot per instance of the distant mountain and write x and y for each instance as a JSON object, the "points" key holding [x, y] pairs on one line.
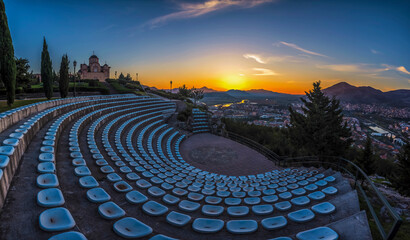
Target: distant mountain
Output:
{"points": [[207, 90], [368, 95], [258, 95], [268, 94], [238, 93], [213, 98]]}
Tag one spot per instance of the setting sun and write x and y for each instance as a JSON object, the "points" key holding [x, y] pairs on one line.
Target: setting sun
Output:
{"points": [[234, 82]]}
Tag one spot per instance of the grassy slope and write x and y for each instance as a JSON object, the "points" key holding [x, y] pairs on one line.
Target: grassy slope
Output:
{"points": [[19, 103]]}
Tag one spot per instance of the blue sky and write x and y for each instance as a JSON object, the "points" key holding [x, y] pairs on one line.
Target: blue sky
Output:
{"points": [[281, 45]]}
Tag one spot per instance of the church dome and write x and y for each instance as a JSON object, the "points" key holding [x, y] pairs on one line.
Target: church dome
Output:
{"points": [[93, 56]]}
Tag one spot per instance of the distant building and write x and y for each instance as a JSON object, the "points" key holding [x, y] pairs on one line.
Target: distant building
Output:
{"points": [[94, 70], [37, 76]]}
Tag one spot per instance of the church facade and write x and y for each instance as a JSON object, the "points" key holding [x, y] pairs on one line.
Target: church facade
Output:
{"points": [[94, 70]]}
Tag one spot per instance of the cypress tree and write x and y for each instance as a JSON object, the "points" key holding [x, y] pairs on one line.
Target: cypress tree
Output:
{"points": [[401, 178], [7, 61], [64, 83], [46, 71], [319, 130], [366, 160]]}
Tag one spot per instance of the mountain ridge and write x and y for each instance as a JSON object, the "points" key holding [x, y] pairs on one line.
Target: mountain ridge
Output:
{"points": [[346, 92], [343, 91]]}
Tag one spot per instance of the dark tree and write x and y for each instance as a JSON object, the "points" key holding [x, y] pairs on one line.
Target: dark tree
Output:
{"points": [[46, 71], [128, 77], [64, 78], [23, 76], [319, 130], [7, 62], [366, 159], [121, 77], [197, 94], [184, 91], [401, 179]]}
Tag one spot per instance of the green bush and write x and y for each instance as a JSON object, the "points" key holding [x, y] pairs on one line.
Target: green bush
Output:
{"points": [[168, 95], [119, 87], [3, 91], [102, 90], [134, 86], [94, 83], [184, 115]]}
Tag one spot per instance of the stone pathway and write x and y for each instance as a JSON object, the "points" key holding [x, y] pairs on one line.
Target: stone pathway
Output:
{"points": [[224, 156]]}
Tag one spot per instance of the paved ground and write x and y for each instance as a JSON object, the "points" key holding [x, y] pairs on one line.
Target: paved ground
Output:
{"points": [[221, 155]]}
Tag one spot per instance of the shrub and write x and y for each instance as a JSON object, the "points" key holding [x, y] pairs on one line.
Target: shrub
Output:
{"points": [[184, 115]]}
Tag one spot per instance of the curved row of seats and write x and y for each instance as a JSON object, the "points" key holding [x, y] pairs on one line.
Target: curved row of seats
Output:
{"points": [[109, 209], [299, 216], [155, 208], [15, 144], [57, 219], [139, 156]]}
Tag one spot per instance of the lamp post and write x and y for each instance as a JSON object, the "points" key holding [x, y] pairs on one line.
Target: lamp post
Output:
{"points": [[115, 75], [75, 64], [170, 88]]}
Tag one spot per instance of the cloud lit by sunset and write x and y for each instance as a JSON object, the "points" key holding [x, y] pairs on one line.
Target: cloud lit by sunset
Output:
{"points": [[224, 44]]}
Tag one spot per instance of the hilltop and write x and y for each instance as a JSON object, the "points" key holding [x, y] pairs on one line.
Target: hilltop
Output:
{"points": [[368, 95]]}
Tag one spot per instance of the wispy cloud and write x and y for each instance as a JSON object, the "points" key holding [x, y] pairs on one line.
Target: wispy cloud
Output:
{"points": [[264, 60], [294, 46], [108, 27], [364, 68], [356, 68], [401, 69], [264, 72], [374, 51], [255, 57], [192, 10]]}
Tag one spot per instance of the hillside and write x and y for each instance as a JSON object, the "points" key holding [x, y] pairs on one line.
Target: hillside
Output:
{"points": [[212, 98], [368, 95]]}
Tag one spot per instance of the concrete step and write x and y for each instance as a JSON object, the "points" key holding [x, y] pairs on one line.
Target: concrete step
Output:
{"points": [[346, 205], [353, 227]]}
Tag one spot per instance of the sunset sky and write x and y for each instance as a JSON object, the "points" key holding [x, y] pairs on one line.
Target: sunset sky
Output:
{"points": [[279, 45]]}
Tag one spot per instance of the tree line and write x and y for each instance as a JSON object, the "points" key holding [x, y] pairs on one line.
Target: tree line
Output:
{"points": [[14, 71]]}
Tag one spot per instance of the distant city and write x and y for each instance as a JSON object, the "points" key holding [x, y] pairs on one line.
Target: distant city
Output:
{"points": [[388, 127]]}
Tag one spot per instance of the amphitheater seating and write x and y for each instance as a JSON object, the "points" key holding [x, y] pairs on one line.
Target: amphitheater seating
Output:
{"points": [[56, 219], [129, 148], [4, 161], [242, 226], [207, 225], [200, 121], [50, 197], [324, 208], [320, 233], [110, 210], [178, 219], [274, 222], [301, 216], [131, 228], [98, 195], [69, 235]]}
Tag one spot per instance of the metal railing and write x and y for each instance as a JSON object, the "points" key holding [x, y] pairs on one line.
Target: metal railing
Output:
{"points": [[361, 180]]}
